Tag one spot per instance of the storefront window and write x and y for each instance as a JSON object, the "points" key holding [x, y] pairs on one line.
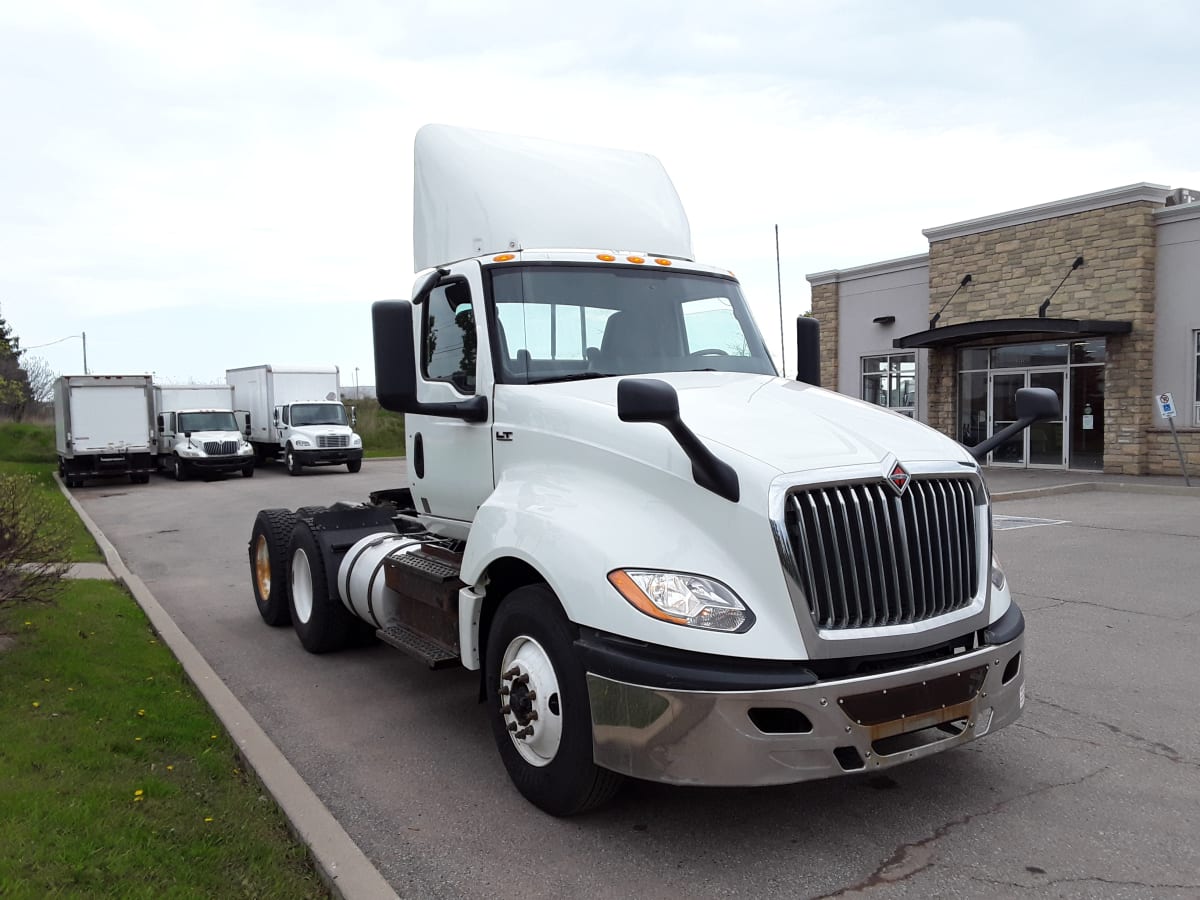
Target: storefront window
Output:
{"points": [[1196, 394], [1028, 356], [891, 381]]}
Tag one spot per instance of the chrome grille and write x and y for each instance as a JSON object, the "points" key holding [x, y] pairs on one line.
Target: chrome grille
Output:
{"points": [[868, 558], [332, 441], [220, 448]]}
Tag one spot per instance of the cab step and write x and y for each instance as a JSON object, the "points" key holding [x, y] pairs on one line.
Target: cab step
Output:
{"points": [[418, 646]]}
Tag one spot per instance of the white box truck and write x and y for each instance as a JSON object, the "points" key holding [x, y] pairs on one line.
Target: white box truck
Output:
{"points": [[197, 431], [103, 427], [295, 413], [665, 560]]}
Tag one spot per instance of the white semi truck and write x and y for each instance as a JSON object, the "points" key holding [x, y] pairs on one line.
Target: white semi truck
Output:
{"points": [[103, 427], [197, 431], [295, 413], [665, 560]]}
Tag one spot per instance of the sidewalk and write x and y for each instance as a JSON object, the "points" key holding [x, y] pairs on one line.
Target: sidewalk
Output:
{"points": [[1011, 484]]}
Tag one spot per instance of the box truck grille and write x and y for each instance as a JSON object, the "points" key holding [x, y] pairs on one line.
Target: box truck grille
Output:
{"points": [[868, 557], [220, 448], [332, 441]]}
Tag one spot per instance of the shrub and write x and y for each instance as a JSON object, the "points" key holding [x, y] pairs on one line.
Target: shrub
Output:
{"points": [[33, 547]]}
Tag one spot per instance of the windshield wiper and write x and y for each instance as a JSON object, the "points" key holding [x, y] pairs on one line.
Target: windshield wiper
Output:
{"points": [[576, 376]]}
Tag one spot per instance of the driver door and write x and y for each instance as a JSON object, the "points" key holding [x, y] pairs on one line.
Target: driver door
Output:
{"points": [[450, 460]]}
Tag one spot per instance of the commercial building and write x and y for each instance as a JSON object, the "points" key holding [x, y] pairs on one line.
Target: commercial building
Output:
{"points": [[1096, 297]]}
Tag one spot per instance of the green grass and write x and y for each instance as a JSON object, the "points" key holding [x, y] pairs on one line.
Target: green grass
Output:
{"points": [[115, 778], [56, 507], [382, 432], [27, 443]]}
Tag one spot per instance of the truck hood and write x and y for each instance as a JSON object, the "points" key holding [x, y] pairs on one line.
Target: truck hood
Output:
{"points": [[786, 425]]}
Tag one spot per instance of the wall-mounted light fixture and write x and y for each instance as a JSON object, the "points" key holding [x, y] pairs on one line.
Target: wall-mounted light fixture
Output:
{"points": [[884, 320]]}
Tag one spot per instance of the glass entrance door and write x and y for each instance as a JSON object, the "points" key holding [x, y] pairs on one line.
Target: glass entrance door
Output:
{"points": [[1042, 444]]}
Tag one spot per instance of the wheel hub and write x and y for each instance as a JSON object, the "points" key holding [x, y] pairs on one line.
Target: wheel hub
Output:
{"points": [[530, 701]]}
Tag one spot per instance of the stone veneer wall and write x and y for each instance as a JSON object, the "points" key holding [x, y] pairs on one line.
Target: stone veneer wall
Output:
{"points": [[1163, 459], [1014, 268], [825, 311]]}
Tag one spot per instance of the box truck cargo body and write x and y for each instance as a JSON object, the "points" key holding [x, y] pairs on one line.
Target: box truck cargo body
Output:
{"points": [[197, 431], [103, 427], [295, 413]]}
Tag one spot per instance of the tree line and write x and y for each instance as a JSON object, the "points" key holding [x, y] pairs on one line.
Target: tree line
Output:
{"points": [[23, 383]]}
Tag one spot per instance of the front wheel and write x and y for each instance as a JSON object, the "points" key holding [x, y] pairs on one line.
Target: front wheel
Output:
{"points": [[179, 469], [538, 705], [353, 466], [248, 471], [293, 464]]}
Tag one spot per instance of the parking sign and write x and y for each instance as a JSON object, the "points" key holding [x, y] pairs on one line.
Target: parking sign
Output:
{"points": [[1166, 406]]}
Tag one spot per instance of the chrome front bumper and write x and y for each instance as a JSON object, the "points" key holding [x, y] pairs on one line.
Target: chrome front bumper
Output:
{"points": [[814, 731]]}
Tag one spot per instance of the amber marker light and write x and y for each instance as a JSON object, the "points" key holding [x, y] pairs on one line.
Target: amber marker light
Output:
{"points": [[504, 257], [636, 259], [634, 594], [663, 262], [606, 257]]}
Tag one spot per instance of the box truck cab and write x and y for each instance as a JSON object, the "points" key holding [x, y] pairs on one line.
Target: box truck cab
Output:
{"points": [[666, 560], [198, 433], [103, 427], [295, 413]]}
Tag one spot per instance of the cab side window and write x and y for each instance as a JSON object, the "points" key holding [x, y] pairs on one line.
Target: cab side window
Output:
{"points": [[448, 341]]}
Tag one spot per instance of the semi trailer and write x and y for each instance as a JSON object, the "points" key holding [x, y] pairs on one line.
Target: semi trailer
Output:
{"points": [[665, 560], [103, 427]]}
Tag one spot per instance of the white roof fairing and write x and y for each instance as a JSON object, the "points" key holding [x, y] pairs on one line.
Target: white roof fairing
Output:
{"points": [[479, 192]]}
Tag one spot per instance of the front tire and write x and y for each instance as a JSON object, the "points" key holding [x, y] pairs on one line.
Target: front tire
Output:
{"points": [[538, 705], [269, 541], [353, 466], [179, 469], [322, 623], [293, 465], [248, 471]]}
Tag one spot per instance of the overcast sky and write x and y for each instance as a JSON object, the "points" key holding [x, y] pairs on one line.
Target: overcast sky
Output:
{"points": [[199, 186]]}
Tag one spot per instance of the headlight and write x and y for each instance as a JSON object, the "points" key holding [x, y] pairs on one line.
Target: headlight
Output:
{"points": [[355, 440], [997, 573], [301, 442], [244, 448], [683, 599]]}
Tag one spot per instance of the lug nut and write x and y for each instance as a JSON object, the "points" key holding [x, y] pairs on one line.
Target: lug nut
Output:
{"points": [[504, 690], [532, 695], [521, 679], [505, 709], [512, 673], [512, 726], [533, 715]]}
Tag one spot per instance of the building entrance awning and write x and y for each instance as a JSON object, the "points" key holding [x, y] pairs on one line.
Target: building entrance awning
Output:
{"points": [[953, 335]]}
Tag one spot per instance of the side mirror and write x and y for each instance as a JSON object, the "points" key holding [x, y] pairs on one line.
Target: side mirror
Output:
{"points": [[161, 425], [654, 401], [808, 351], [396, 365], [353, 417], [1033, 405]]}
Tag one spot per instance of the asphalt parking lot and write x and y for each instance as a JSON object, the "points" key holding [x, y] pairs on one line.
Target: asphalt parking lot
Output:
{"points": [[1095, 792]]}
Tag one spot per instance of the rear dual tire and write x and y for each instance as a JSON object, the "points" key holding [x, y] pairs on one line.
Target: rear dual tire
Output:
{"points": [[322, 622], [270, 540]]}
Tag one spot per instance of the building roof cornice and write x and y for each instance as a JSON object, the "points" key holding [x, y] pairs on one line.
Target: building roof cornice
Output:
{"points": [[1143, 191], [887, 267], [1177, 213]]}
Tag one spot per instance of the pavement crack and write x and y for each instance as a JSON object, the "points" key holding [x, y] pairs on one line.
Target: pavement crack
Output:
{"points": [[915, 857], [1154, 748], [1063, 601], [1040, 884]]}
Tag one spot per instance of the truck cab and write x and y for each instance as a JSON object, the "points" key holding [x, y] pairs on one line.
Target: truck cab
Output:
{"points": [[666, 560]]}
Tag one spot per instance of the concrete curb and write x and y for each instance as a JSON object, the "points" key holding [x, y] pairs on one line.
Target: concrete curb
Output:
{"points": [[343, 867], [1083, 486]]}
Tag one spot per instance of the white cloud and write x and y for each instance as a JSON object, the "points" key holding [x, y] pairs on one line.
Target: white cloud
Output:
{"points": [[202, 186]]}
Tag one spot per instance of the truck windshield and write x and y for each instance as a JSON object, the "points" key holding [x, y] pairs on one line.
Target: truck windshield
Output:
{"points": [[206, 421], [558, 323], [318, 414]]}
